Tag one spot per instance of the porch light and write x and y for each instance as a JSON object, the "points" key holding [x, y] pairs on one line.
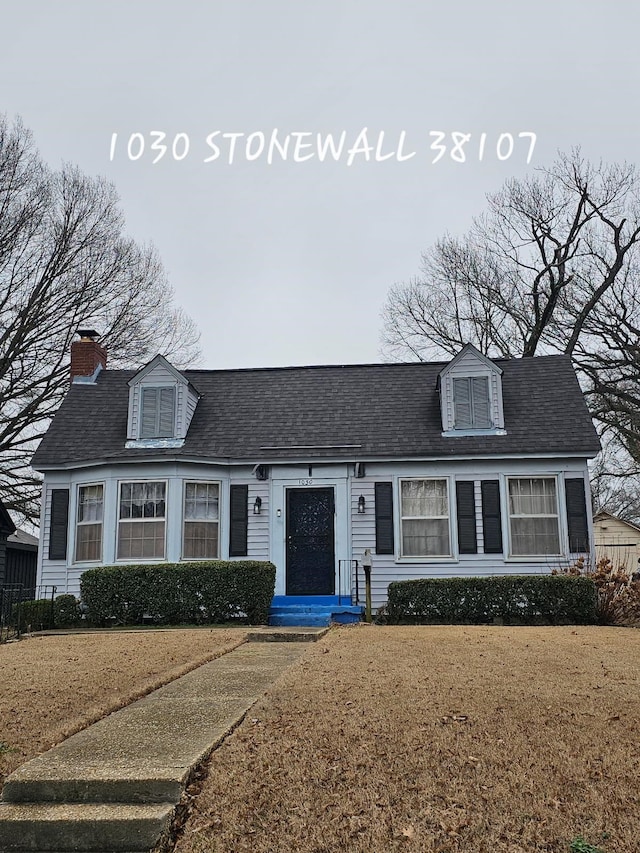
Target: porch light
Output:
{"points": [[257, 506], [361, 504]]}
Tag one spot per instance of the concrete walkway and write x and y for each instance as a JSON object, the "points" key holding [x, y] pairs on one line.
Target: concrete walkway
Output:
{"points": [[113, 787]]}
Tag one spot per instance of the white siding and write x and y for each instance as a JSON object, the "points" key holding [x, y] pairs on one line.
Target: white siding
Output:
{"points": [[53, 572], [258, 527]]}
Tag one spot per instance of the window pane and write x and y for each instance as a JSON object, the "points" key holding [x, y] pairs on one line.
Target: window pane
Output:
{"points": [[425, 538], [140, 539], [200, 539], [89, 542], [534, 536], [201, 501], [531, 496], [142, 500], [90, 503], [424, 498]]}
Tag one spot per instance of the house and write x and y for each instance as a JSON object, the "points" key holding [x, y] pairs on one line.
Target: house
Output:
{"points": [[467, 467], [616, 539]]}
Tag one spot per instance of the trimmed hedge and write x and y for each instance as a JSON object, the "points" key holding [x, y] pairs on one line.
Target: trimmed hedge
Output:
{"points": [[176, 593], [35, 615], [511, 599], [43, 614]]}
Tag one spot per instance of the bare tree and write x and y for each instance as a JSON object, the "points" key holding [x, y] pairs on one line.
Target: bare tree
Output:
{"points": [[65, 262], [552, 266]]}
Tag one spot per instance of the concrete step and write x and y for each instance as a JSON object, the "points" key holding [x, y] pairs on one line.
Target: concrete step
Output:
{"points": [[113, 828], [286, 634], [309, 613], [143, 753], [301, 619]]}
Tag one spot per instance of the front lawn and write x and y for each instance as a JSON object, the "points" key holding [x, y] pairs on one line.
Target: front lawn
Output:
{"points": [[449, 739]]}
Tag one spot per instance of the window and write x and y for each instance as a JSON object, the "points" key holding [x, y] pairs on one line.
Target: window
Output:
{"points": [[141, 520], [89, 523], [471, 403], [157, 412], [201, 518], [425, 518], [533, 516]]}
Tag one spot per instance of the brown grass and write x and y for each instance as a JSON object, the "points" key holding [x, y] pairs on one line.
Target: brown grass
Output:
{"points": [[53, 686], [450, 739]]}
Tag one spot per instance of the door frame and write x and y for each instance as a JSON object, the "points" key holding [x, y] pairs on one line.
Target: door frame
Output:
{"points": [[321, 487]]}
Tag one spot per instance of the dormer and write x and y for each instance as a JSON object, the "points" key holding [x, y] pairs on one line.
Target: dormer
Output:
{"points": [[161, 405], [471, 395]]}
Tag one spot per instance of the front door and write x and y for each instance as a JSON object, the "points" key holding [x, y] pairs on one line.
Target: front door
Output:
{"points": [[310, 542]]}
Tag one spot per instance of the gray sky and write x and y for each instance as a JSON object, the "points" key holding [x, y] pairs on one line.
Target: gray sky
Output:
{"points": [[290, 263]]}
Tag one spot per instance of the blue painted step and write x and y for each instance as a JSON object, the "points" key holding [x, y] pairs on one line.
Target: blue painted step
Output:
{"points": [[312, 610]]}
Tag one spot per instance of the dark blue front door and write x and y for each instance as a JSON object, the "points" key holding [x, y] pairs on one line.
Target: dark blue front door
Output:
{"points": [[310, 542]]}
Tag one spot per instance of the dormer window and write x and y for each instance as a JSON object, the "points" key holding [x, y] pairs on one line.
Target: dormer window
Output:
{"points": [[158, 412], [470, 388], [472, 403], [161, 404]]}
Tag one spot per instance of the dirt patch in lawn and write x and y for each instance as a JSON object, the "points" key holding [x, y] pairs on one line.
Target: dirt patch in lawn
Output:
{"points": [[53, 686], [449, 739]]}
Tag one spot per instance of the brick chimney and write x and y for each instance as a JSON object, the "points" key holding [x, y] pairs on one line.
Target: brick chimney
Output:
{"points": [[87, 354]]}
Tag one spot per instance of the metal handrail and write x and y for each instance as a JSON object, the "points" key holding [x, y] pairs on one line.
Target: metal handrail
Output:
{"points": [[351, 566]]}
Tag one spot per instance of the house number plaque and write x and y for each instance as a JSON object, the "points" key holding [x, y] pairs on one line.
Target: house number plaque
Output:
{"points": [[307, 481]]}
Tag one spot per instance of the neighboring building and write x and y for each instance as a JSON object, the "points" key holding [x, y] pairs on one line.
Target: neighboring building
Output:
{"points": [[471, 467], [18, 554], [616, 539], [22, 560], [7, 527]]}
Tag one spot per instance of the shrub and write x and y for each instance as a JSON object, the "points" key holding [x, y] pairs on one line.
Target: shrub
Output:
{"points": [[511, 599], [618, 601], [45, 614], [174, 593], [66, 611], [35, 615]]}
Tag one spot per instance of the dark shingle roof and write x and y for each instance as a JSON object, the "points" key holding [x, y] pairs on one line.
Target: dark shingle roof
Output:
{"points": [[389, 410]]}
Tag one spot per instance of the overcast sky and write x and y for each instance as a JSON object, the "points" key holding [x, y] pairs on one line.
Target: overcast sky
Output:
{"points": [[291, 262]]}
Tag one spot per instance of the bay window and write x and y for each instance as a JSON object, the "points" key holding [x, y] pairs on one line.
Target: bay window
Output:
{"points": [[424, 511], [141, 520], [533, 516], [201, 520]]}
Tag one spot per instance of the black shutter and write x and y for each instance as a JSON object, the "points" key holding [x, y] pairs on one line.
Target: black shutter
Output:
{"points": [[59, 524], [238, 501], [466, 506], [577, 516], [491, 519], [384, 518]]}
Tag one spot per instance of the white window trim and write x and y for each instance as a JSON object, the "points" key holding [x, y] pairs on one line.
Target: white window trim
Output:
{"points": [[510, 557], [157, 385], [140, 560], [452, 557], [217, 483], [83, 523]]}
